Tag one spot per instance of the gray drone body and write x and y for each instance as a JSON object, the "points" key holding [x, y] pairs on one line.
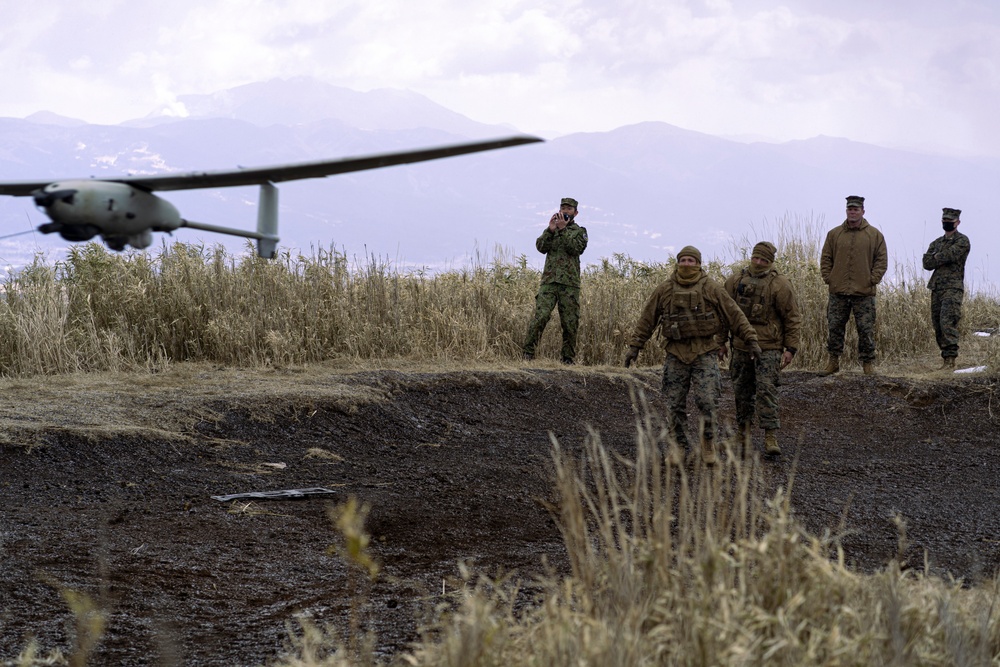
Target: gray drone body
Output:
{"points": [[125, 212]]}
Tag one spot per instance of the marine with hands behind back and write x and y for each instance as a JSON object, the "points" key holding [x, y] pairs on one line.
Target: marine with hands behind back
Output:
{"points": [[853, 261]]}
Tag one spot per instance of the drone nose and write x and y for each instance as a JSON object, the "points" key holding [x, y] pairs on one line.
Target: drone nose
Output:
{"points": [[46, 199]]}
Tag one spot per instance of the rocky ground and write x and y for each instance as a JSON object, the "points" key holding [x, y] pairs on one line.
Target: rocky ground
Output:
{"points": [[106, 489]]}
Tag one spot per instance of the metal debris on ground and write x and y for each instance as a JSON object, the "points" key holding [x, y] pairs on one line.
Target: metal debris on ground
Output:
{"points": [[974, 369], [276, 495]]}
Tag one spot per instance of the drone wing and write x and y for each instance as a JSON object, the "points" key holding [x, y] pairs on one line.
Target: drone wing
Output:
{"points": [[289, 172]]}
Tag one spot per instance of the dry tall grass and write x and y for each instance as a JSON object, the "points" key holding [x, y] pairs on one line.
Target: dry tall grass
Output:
{"points": [[103, 311], [679, 566]]}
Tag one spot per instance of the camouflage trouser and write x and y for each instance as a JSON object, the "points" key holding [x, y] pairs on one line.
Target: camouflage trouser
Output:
{"points": [[946, 311], [838, 311], [568, 300], [701, 375], [755, 387]]}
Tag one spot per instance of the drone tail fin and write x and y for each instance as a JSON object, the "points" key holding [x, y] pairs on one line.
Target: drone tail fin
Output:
{"points": [[267, 221]]}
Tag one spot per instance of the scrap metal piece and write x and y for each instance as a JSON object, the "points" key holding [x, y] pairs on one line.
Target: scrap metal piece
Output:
{"points": [[276, 495]]}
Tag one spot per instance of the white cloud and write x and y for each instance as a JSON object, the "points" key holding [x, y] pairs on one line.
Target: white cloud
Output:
{"points": [[920, 73]]}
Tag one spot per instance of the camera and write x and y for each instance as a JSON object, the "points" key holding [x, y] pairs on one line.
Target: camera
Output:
{"points": [[565, 217]]}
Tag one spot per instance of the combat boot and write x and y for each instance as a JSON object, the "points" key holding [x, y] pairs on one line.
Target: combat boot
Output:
{"points": [[771, 447], [832, 366], [947, 364], [708, 451], [868, 368]]}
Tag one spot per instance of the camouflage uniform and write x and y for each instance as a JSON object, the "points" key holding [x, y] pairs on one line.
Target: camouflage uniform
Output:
{"points": [[769, 303], [838, 311], [852, 263], [701, 378], [560, 286], [946, 258], [755, 387], [692, 318]]}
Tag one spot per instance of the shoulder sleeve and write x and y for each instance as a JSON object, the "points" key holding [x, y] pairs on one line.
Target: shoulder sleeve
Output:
{"points": [[929, 260], [650, 315], [733, 317], [576, 241], [826, 256], [544, 242], [788, 310]]}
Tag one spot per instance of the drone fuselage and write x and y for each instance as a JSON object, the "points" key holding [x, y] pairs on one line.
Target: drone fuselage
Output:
{"points": [[119, 213], [124, 212]]}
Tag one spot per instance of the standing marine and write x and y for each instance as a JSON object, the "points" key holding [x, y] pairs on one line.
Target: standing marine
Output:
{"points": [[767, 299], [693, 313], [562, 242], [853, 261], [946, 258]]}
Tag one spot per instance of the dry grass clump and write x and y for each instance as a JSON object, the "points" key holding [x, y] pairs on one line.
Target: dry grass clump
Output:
{"points": [[687, 566], [140, 311]]}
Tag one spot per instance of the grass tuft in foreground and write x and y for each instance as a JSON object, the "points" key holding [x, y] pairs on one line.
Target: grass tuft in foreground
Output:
{"points": [[679, 565]]}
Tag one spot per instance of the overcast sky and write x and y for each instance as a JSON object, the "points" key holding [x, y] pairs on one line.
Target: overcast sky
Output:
{"points": [[917, 73]]}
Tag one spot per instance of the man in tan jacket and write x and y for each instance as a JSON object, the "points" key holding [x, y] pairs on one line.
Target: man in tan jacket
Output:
{"points": [[693, 313], [853, 262], [767, 299]]}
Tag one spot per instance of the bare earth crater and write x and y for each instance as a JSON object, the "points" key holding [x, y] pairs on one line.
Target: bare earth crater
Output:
{"points": [[106, 486]]}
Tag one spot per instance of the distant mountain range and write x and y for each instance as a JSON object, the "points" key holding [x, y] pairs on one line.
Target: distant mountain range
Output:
{"points": [[646, 190]]}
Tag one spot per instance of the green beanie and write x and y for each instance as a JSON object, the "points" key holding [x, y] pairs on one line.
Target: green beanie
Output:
{"points": [[689, 251]]}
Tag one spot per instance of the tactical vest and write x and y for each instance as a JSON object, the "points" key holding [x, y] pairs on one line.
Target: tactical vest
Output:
{"points": [[753, 296], [689, 315]]}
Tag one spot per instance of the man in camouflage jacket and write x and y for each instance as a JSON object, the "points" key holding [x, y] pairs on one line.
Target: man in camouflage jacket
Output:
{"points": [[853, 261], [767, 299], [562, 242], [693, 313], [946, 258]]}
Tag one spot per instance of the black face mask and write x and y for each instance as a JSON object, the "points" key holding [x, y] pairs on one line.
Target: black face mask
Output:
{"points": [[948, 225]]}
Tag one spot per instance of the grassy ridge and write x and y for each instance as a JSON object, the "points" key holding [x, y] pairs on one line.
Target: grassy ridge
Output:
{"points": [[104, 311]]}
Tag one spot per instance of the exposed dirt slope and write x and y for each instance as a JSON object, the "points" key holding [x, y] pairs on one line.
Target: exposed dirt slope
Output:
{"points": [[452, 464]]}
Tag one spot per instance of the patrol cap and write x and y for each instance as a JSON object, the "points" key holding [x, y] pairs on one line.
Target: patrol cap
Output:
{"points": [[855, 200], [765, 250], [951, 214], [569, 201], [689, 251]]}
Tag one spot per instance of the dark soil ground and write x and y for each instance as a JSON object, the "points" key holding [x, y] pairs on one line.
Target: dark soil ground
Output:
{"points": [[453, 466]]}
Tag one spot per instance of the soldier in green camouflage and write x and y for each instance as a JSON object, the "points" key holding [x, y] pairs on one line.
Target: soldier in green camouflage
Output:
{"points": [[562, 242], [946, 258], [693, 313], [853, 261], [767, 299]]}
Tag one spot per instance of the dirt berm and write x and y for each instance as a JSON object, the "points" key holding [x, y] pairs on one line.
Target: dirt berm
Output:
{"points": [[106, 485]]}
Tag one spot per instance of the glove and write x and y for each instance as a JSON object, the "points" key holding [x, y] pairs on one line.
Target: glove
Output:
{"points": [[755, 350], [631, 355]]}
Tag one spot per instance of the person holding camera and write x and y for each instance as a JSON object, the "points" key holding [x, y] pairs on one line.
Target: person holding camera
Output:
{"points": [[562, 243]]}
